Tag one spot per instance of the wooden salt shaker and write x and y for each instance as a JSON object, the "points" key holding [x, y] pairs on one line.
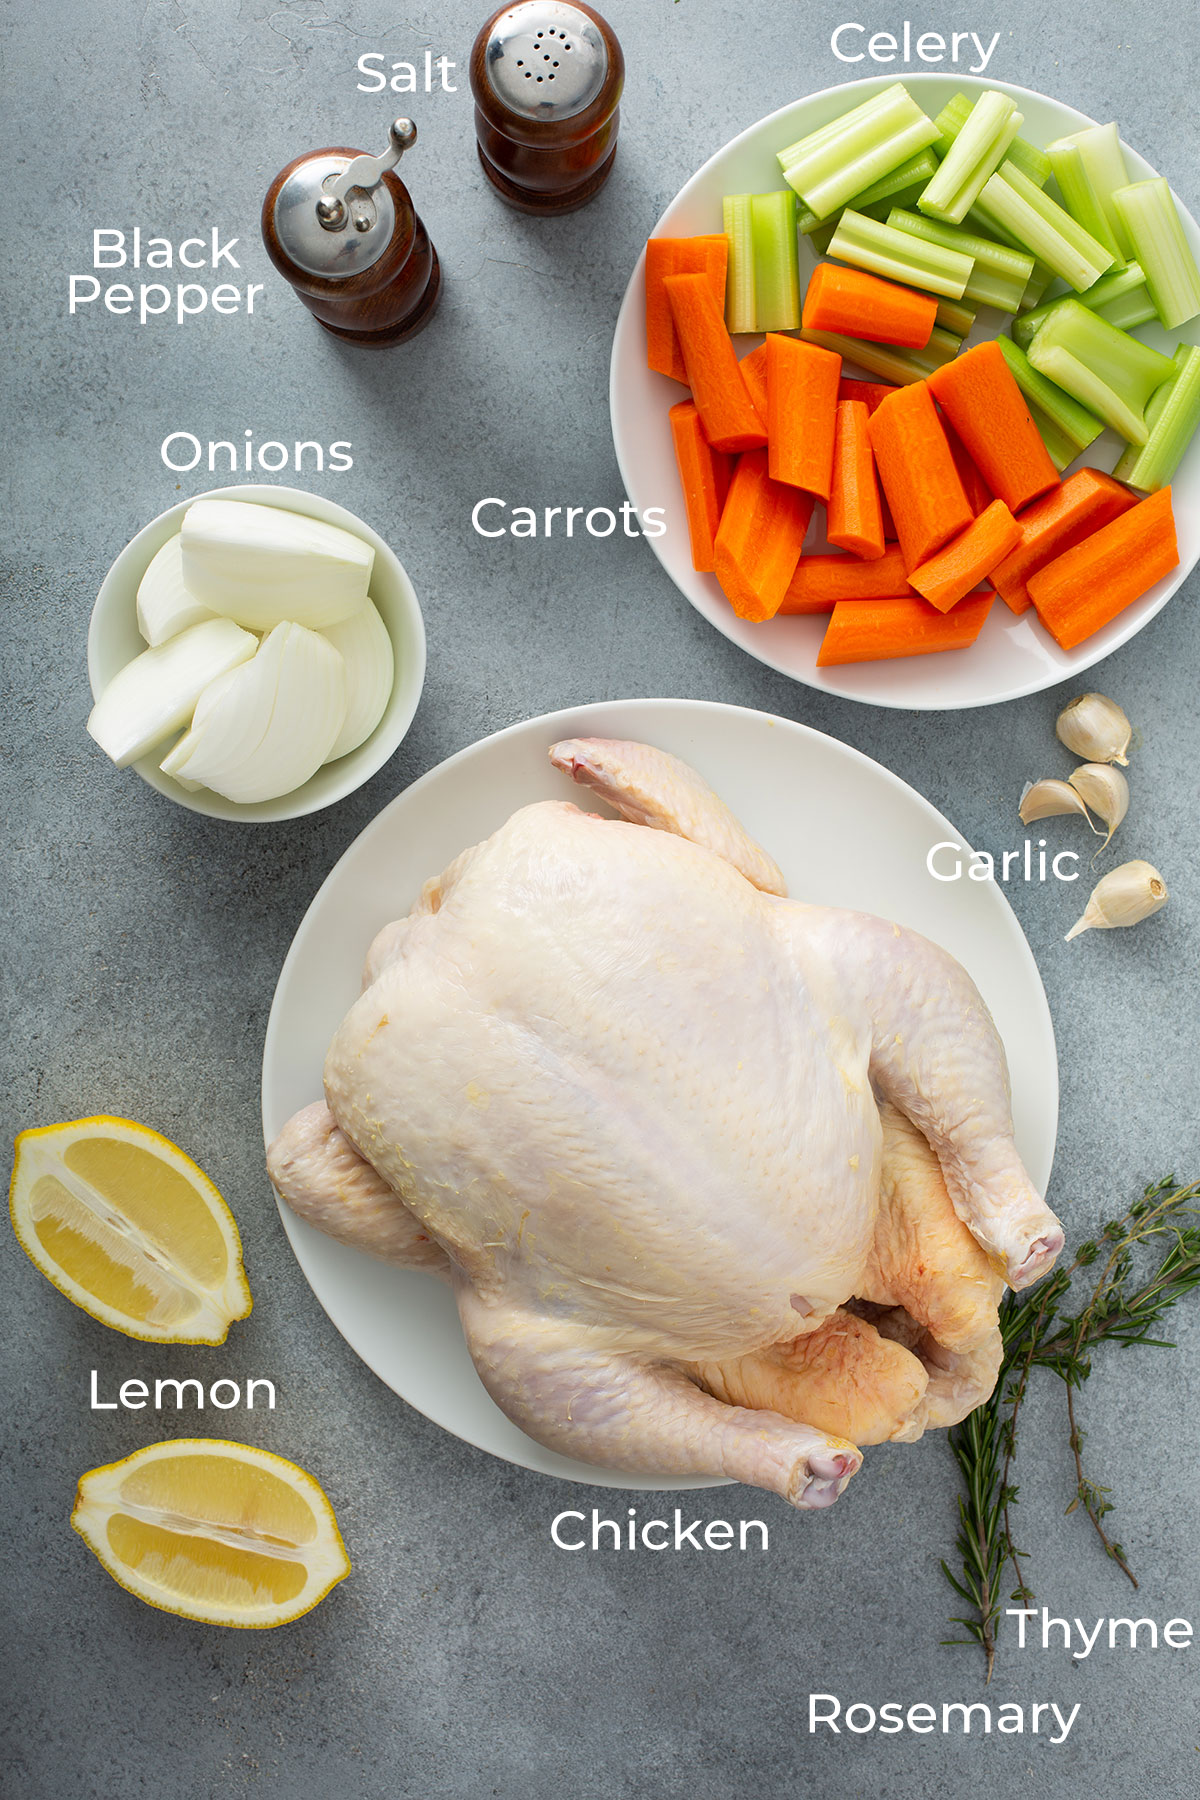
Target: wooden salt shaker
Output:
{"points": [[340, 227], [547, 78]]}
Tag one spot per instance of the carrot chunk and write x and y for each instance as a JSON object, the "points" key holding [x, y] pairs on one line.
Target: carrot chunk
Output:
{"points": [[974, 486], [708, 256], [917, 472], [705, 474], [1088, 585], [869, 392], [1057, 522], [868, 630], [820, 582], [855, 516], [726, 410], [862, 306], [987, 409], [802, 384], [759, 538], [754, 374], [961, 564]]}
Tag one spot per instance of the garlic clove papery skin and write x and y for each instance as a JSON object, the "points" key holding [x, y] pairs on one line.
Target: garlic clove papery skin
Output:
{"points": [[264, 566], [266, 732], [156, 694], [1046, 799], [1095, 727], [1105, 790], [164, 605], [1123, 897], [365, 646]]}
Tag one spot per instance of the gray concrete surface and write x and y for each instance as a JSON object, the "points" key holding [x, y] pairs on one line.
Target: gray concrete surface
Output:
{"points": [[466, 1658]]}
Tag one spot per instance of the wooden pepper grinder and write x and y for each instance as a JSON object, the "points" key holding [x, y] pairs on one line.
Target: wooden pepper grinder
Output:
{"points": [[340, 227], [547, 79]]}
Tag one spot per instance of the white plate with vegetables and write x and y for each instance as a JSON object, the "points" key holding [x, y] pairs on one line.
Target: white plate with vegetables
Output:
{"points": [[255, 653], [845, 832], [1013, 654]]}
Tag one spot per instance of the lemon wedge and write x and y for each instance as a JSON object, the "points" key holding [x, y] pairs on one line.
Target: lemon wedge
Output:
{"points": [[126, 1226], [213, 1531]]}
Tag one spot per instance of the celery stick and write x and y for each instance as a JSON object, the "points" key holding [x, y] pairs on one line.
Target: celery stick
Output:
{"points": [[1059, 447], [1075, 423], [832, 165], [1043, 227], [1148, 211], [953, 316], [1120, 297], [1106, 369], [776, 264], [999, 276], [898, 257], [1039, 281], [976, 153], [1100, 150], [911, 174], [822, 237], [898, 366], [1079, 196], [1172, 417], [954, 115], [737, 224]]}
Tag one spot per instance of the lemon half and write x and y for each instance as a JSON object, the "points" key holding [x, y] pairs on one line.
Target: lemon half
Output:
{"points": [[213, 1531], [127, 1226]]}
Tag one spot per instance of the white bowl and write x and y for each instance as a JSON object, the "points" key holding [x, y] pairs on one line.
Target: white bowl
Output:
{"points": [[114, 640], [1013, 656]]}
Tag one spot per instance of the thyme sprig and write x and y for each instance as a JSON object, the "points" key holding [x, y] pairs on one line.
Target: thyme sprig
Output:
{"points": [[1125, 1306]]}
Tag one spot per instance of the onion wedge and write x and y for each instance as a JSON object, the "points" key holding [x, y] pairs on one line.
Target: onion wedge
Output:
{"points": [[263, 730], [164, 606], [262, 565], [155, 694], [365, 646]]}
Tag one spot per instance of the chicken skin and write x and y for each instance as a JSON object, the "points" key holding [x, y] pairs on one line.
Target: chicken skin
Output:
{"points": [[724, 1184]]}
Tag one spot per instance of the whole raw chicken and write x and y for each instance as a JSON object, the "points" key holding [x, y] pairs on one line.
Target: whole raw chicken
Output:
{"points": [[721, 1181]]}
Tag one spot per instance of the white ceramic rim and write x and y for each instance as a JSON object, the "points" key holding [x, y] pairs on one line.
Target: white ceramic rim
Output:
{"points": [[624, 718], [703, 593], [401, 615]]}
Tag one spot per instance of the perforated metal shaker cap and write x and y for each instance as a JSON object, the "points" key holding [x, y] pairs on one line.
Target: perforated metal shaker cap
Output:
{"points": [[545, 60]]}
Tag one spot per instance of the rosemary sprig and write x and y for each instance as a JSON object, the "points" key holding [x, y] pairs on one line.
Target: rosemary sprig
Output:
{"points": [[1121, 1309]]}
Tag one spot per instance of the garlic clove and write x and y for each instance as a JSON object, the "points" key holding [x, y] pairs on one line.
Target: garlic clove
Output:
{"points": [[1122, 897], [1105, 790], [1046, 799], [1094, 727]]}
